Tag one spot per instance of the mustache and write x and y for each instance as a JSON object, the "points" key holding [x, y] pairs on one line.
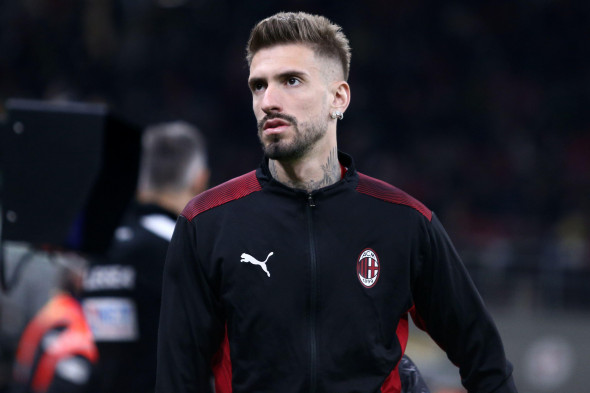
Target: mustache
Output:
{"points": [[281, 116]]}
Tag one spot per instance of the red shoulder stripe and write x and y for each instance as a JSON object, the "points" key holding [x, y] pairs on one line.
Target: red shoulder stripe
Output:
{"points": [[229, 191], [386, 192]]}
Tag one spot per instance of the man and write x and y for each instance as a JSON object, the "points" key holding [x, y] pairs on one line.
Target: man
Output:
{"points": [[56, 352], [300, 276], [123, 291]]}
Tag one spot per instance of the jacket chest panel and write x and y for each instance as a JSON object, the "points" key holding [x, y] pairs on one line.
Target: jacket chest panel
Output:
{"points": [[278, 259]]}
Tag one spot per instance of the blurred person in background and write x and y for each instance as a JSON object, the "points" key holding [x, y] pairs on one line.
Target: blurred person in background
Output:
{"points": [[301, 275], [122, 291], [31, 278], [56, 352]]}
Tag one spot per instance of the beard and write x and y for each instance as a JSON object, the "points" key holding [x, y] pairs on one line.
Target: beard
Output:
{"points": [[305, 137]]}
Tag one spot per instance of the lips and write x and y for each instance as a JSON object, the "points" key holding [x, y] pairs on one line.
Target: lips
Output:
{"points": [[275, 124]]}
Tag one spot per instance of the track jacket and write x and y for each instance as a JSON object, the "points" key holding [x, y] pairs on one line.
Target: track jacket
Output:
{"points": [[279, 290]]}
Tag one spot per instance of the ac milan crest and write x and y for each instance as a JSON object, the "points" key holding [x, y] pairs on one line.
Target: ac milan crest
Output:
{"points": [[367, 268]]}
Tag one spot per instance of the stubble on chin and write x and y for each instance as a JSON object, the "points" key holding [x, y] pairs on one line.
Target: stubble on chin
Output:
{"points": [[279, 149], [293, 145], [275, 146]]}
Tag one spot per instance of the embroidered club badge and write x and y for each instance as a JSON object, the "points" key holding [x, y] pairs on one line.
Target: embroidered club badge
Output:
{"points": [[367, 268]]}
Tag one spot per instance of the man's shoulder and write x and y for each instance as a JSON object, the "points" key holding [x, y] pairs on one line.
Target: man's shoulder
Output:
{"points": [[229, 191], [386, 192]]}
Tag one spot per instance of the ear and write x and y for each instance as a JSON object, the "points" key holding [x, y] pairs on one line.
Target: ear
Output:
{"points": [[200, 182], [340, 96]]}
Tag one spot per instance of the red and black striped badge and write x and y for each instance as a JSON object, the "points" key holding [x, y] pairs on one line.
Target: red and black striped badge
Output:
{"points": [[367, 268]]}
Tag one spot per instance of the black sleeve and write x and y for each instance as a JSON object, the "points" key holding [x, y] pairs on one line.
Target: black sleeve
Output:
{"points": [[411, 379], [191, 326], [451, 310]]}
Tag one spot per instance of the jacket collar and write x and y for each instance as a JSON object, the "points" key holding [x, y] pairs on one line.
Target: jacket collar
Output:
{"points": [[265, 177], [144, 209]]}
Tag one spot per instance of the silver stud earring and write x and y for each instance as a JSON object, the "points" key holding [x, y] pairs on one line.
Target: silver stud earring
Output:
{"points": [[337, 115]]}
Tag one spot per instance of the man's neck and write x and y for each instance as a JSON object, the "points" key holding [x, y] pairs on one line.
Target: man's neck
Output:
{"points": [[174, 203], [308, 174]]}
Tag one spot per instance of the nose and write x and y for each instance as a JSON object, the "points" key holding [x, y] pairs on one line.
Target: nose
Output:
{"points": [[271, 100]]}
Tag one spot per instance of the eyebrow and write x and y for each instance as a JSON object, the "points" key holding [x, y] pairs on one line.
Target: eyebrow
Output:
{"points": [[282, 75]]}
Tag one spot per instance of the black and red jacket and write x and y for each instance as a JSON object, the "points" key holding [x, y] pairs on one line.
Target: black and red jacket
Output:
{"points": [[274, 289]]}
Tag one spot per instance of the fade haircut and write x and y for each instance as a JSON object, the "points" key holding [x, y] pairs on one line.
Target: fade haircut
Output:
{"points": [[320, 34], [173, 154]]}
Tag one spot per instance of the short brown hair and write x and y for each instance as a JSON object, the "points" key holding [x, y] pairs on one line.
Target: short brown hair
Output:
{"points": [[323, 36]]}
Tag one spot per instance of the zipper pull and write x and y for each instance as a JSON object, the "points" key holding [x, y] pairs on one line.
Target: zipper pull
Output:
{"points": [[310, 200]]}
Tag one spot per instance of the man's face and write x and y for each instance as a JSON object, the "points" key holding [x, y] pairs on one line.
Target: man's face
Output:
{"points": [[290, 99]]}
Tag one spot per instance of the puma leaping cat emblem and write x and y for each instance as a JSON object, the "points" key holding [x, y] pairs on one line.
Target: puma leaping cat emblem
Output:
{"points": [[250, 259]]}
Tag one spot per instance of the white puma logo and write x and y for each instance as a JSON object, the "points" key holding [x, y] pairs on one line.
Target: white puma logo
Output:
{"points": [[250, 259]]}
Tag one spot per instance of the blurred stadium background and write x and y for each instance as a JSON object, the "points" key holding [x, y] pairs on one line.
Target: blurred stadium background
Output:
{"points": [[479, 109]]}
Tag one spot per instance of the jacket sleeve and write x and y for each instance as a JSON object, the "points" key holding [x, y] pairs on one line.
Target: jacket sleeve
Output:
{"points": [[449, 308], [191, 327]]}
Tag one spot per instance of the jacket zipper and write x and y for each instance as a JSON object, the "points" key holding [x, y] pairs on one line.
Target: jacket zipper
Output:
{"points": [[313, 298]]}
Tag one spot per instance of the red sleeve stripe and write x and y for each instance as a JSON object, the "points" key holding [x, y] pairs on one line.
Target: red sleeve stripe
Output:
{"points": [[417, 318], [221, 365], [393, 383], [386, 192], [229, 191]]}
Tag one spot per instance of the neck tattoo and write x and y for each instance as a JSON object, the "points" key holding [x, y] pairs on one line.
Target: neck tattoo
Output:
{"points": [[330, 171]]}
